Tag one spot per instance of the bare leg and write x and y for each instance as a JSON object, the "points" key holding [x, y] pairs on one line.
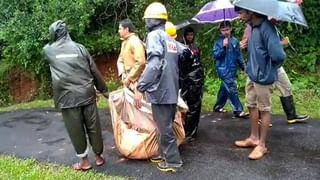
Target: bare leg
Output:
{"points": [[254, 116], [261, 149], [265, 118]]}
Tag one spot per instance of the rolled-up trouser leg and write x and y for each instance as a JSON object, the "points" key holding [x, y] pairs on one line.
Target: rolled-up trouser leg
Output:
{"points": [[163, 115], [92, 125], [74, 122]]}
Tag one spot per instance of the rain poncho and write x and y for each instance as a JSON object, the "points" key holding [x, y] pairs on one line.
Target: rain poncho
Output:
{"points": [[73, 72], [191, 83]]}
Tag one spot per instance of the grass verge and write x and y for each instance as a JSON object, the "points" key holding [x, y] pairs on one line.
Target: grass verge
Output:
{"points": [[305, 103], [30, 169]]}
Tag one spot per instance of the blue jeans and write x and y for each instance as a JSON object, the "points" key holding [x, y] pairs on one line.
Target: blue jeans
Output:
{"points": [[228, 91]]}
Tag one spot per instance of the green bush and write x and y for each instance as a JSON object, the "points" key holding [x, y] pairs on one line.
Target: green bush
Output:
{"points": [[4, 93]]}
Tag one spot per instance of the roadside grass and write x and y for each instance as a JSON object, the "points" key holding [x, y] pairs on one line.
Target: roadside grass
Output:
{"points": [[30, 169], [305, 103], [101, 103], [29, 105]]}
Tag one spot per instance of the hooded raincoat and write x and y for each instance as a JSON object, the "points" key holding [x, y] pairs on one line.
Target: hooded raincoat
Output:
{"points": [[73, 72], [160, 82], [191, 83], [74, 78]]}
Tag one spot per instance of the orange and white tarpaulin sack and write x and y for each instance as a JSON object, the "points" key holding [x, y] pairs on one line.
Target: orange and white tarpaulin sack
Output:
{"points": [[135, 132]]}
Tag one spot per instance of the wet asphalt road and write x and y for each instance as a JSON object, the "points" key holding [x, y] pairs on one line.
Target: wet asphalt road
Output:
{"points": [[293, 150]]}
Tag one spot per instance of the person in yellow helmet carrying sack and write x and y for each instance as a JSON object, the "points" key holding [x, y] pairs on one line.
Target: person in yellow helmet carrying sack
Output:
{"points": [[160, 83]]}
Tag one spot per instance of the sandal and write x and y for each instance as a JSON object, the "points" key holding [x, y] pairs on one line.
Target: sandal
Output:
{"points": [[242, 115], [77, 166], [100, 160], [221, 110]]}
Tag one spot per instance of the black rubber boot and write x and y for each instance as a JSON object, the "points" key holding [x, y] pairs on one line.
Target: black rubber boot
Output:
{"points": [[289, 109]]}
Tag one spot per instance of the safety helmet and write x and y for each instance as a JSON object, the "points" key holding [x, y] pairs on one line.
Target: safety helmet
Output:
{"points": [[171, 29], [156, 10]]}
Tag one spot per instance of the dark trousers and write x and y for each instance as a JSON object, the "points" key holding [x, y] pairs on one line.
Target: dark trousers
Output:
{"points": [[228, 91], [80, 121], [164, 114], [193, 117]]}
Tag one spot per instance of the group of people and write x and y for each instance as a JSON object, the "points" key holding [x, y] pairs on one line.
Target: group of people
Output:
{"points": [[157, 68]]}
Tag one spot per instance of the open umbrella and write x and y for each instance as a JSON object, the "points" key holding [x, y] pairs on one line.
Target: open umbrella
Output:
{"points": [[216, 11], [291, 12], [264, 7], [283, 11], [212, 12]]}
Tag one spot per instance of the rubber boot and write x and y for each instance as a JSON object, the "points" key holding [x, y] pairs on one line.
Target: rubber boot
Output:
{"points": [[289, 109]]}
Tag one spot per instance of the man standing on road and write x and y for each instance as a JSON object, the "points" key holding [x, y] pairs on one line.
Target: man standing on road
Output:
{"points": [[131, 61], [265, 55], [74, 79], [160, 83], [283, 84]]}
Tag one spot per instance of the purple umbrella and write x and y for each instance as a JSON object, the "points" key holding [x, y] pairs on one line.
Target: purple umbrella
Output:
{"points": [[216, 11]]}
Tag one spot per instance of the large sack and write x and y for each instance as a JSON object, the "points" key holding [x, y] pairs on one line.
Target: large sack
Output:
{"points": [[134, 130]]}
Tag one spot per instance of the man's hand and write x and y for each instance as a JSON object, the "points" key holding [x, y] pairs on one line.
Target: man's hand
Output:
{"points": [[127, 82], [137, 99], [243, 73], [106, 95], [285, 41], [243, 44], [225, 42]]}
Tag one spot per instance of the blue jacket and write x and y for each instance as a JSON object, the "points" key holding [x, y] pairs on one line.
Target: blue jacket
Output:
{"points": [[227, 58], [265, 53]]}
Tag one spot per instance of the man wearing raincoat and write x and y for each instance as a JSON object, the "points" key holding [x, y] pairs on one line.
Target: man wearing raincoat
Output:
{"points": [[74, 79], [160, 83], [131, 61], [191, 80]]}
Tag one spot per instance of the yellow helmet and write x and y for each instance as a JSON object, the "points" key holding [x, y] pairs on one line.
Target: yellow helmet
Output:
{"points": [[171, 29], [156, 10]]}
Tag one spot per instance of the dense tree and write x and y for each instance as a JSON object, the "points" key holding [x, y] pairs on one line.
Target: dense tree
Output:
{"points": [[24, 29]]}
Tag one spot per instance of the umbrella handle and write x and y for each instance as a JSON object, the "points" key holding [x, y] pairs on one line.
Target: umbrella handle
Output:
{"points": [[289, 43], [215, 27]]}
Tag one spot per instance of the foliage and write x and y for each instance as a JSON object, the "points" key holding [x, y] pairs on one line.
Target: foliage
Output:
{"points": [[113, 84], [24, 31], [4, 94], [305, 40], [14, 168]]}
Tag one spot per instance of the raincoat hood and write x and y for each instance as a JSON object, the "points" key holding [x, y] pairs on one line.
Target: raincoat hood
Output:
{"points": [[58, 30]]}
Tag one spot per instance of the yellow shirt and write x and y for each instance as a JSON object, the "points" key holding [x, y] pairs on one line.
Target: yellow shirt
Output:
{"points": [[131, 61]]}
